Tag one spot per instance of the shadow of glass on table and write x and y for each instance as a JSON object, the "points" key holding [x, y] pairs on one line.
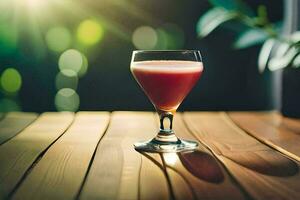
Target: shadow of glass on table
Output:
{"points": [[267, 162], [202, 165], [198, 164], [196, 169]]}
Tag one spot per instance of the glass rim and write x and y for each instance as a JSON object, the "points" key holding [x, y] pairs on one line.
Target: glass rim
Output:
{"points": [[167, 51], [188, 55]]}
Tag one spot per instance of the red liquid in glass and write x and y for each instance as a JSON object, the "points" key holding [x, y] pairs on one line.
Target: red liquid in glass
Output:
{"points": [[167, 83]]}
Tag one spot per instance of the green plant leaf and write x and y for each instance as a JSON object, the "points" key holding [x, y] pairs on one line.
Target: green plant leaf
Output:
{"points": [[233, 5], [296, 61], [295, 37], [281, 49], [212, 19], [264, 54], [279, 62], [249, 38]]}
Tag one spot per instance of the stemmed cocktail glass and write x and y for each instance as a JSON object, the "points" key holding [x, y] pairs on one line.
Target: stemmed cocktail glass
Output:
{"points": [[166, 77]]}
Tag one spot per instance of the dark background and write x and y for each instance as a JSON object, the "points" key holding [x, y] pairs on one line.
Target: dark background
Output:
{"points": [[230, 81]]}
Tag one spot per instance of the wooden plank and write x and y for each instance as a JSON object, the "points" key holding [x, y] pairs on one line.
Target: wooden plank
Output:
{"points": [[151, 175], [263, 172], [61, 171], [271, 128], [18, 154], [116, 169], [13, 123], [197, 174]]}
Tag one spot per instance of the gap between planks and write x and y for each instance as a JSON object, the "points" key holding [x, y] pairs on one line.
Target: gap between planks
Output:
{"points": [[18, 154], [149, 175], [129, 123], [198, 174], [13, 123], [263, 172], [61, 171], [276, 131], [120, 172]]}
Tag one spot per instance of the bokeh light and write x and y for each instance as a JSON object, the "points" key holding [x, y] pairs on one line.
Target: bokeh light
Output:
{"points": [[35, 5], [89, 32], [170, 36], [11, 80], [7, 105], [73, 60], [144, 37], [8, 38], [162, 39], [58, 39], [66, 99], [84, 66], [66, 79], [175, 36]]}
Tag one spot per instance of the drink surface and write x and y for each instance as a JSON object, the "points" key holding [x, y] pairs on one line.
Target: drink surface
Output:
{"points": [[167, 82]]}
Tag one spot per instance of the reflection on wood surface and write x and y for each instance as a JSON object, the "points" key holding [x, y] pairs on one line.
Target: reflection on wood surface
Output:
{"points": [[241, 155]]}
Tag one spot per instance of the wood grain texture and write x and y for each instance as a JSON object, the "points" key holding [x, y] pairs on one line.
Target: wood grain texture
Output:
{"points": [[153, 180], [61, 171], [18, 154], [198, 174], [115, 172], [263, 172], [271, 128], [13, 123]]}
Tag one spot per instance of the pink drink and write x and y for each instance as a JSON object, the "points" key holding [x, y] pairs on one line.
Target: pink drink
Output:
{"points": [[167, 82]]}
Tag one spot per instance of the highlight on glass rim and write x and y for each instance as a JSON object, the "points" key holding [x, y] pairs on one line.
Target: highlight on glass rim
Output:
{"points": [[149, 99]]}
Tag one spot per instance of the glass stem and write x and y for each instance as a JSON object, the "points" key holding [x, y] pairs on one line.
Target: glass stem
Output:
{"points": [[162, 117], [166, 134]]}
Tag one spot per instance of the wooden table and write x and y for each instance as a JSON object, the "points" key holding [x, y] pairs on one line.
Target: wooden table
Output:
{"points": [[89, 155]]}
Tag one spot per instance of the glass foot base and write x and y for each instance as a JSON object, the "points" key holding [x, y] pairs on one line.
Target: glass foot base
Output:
{"points": [[165, 147]]}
